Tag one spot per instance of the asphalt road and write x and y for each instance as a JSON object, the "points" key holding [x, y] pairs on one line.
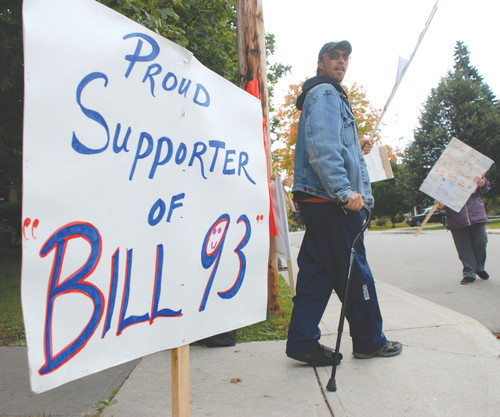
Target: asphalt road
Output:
{"points": [[428, 267]]}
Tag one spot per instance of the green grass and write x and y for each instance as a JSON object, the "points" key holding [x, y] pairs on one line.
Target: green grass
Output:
{"points": [[275, 327], [492, 224], [11, 316]]}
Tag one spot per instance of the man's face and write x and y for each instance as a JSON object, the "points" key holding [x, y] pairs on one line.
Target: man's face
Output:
{"points": [[334, 64]]}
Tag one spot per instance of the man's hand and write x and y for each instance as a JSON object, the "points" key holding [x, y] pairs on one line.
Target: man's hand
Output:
{"points": [[355, 202], [366, 146]]}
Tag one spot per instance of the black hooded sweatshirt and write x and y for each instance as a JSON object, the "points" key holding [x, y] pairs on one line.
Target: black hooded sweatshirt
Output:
{"points": [[313, 82]]}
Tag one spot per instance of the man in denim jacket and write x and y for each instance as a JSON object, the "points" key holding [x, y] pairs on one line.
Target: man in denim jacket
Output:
{"points": [[331, 186]]}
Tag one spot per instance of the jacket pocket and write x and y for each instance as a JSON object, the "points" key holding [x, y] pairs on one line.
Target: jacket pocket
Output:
{"points": [[348, 130]]}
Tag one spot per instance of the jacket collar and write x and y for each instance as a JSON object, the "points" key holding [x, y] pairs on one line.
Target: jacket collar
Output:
{"points": [[313, 82]]}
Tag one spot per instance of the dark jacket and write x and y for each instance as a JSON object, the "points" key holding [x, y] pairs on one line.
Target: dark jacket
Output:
{"points": [[472, 213]]}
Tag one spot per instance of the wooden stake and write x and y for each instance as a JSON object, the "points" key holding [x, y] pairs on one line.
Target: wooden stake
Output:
{"points": [[252, 65], [291, 280], [433, 209], [180, 382]]}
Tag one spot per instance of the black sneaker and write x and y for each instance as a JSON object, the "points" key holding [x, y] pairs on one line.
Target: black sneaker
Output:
{"points": [[467, 280], [483, 274], [389, 349], [321, 356]]}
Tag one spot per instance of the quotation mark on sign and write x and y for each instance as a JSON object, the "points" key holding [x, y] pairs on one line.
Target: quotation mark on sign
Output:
{"points": [[26, 224], [260, 219]]}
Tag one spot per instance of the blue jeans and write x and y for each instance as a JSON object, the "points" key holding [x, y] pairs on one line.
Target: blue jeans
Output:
{"points": [[323, 264]]}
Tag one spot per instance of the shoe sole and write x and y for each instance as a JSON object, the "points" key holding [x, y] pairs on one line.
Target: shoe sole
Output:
{"points": [[376, 354], [315, 363]]}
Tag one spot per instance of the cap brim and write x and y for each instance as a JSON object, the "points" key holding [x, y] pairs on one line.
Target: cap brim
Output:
{"points": [[327, 47]]}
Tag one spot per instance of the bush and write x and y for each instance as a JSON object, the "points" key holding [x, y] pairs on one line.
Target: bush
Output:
{"points": [[10, 213]]}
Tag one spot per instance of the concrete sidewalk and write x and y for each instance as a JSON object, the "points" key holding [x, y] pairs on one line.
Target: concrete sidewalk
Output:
{"points": [[450, 366]]}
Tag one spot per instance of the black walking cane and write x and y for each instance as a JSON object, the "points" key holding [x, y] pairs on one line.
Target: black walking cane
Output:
{"points": [[332, 386]]}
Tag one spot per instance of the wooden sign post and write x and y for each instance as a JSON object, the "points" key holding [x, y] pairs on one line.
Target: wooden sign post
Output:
{"points": [[433, 209], [252, 65], [180, 382]]}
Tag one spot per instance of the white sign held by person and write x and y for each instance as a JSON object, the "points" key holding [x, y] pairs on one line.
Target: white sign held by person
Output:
{"points": [[451, 179], [378, 164], [145, 198]]}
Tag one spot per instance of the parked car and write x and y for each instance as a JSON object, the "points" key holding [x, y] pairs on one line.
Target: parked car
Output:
{"points": [[439, 216]]}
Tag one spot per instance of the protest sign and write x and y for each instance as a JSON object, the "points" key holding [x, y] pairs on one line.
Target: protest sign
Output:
{"points": [[283, 247], [451, 179], [378, 164], [145, 194]]}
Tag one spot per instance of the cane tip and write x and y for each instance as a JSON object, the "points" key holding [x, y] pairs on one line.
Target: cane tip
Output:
{"points": [[331, 386]]}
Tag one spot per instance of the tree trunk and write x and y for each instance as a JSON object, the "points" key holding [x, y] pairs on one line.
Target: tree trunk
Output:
{"points": [[251, 65]]}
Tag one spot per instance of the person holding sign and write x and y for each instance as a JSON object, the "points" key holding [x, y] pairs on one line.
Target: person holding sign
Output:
{"points": [[469, 232], [331, 186]]}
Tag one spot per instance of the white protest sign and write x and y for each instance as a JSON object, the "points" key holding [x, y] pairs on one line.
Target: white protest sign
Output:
{"points": [[451, 179], [145, 200], [283, 246], [378, 165]]}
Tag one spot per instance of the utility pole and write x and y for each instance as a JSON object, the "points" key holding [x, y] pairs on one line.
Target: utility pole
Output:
{"points": [[252, 65]]}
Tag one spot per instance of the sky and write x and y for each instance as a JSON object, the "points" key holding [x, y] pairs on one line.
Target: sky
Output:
{"points": [[380, 32]]}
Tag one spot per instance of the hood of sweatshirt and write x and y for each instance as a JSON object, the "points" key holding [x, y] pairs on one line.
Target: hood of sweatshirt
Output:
{"points": [[313, 82]]}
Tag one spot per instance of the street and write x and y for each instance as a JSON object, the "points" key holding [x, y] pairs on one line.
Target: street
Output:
{"points": [[428, 267]]}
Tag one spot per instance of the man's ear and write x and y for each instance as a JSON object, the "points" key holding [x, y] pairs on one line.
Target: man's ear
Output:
{"points": [[320, 65]]}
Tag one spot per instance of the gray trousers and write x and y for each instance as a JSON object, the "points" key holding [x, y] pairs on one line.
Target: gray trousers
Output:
{"points": [[471, 243]]}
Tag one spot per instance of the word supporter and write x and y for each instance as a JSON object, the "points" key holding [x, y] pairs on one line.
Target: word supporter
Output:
{"points": [[162, 150]]}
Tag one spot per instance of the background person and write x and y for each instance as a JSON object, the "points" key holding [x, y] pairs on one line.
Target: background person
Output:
{"points": [[469, 232], [330, 169]]}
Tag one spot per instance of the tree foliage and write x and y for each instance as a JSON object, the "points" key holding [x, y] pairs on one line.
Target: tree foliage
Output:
{"points": [[11, 95], [389, 199], [462, 106], [285, 123], [207, 28]]}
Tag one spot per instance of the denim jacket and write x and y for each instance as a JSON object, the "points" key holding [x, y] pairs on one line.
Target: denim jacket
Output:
{"points": [[329, 162]]}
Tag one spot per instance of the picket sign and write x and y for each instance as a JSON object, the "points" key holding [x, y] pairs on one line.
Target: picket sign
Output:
{"points": [[145, 195], [451, 179], [378, 164]]}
